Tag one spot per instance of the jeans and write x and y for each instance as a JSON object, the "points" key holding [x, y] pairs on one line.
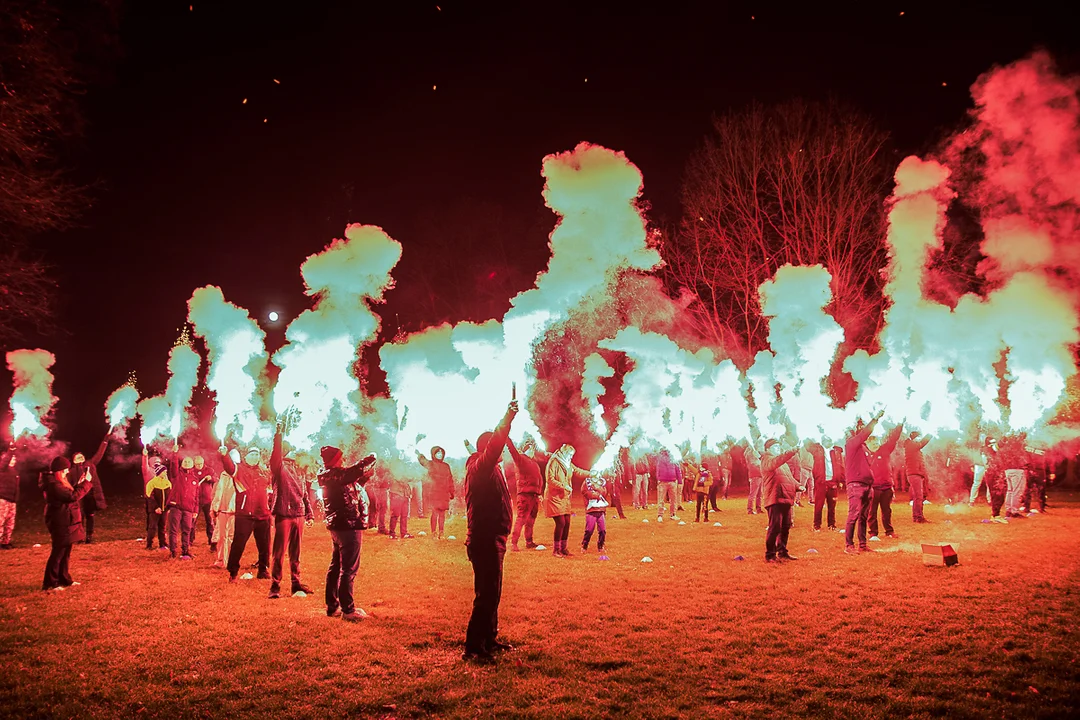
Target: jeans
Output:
{"points": [[180, 524], [7, 521], [377, 512], [56, 569], [487, 561], [344, 564], [777, 535], [917, 486], [418, 497], [88, 525], [882, 498], [858, 507], [399, 513], [438, 522], [641, 491], [824, 495], [528, 505], [755, 495], [594, 521], [245, 527], [1016, 483], [703, 499], [665, 490], [287, 530]]}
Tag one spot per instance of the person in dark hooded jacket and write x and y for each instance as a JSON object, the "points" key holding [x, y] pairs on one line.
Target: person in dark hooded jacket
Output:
{"points": [[9, 495], [207, 478], [439, 488], [346, 519], [293, 501], [95, 499], [63, 517]]}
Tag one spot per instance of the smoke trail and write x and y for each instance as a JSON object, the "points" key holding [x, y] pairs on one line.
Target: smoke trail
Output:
{"points": [[162, 415], [32, 398], [317, 375], [237, 358], [120, 407], [592, 389]]}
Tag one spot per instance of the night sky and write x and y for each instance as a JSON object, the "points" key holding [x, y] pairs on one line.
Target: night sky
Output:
{"points": [[195, 188]]}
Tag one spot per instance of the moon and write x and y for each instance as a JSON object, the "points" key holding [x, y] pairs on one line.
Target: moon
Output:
{"points": [[273, 316]]}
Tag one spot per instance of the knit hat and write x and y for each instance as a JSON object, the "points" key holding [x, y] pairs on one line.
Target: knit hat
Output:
{"points": [[331, 456], [59, 463], [770, 442]]}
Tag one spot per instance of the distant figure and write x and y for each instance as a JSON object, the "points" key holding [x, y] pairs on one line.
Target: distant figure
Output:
{"points": [[182, 506], [95, 499], [915, 465], [668, 474], [778, 490], [223, 507], [703, 486], [346, 519], [753, 472], [860, 480], [63, 517], [641, 483], [156, 488], [487, 504], [400, 492], [9, 495], [530, 488], [378, 491], [439, 488], [206, 499], [824, 486]]}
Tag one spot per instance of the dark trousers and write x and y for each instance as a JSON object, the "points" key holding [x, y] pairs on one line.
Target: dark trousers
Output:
{"points": [[595, 521], [714, 490], [777, 535], [377, 510], [180, 526], [245, 527], [824, 496], [562, 531], [288, 531], [616, 498], [858, 507], [703, 499], [88, 525], [208, 521], [1035, 493], [917, 486], [487, 561], [155, 526], [344, 564], [438, 522], [528, 505], [399, 513], [882, 499], [56, 569]]}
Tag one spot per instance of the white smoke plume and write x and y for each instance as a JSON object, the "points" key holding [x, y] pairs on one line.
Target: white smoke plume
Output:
{"points": [[592, 389], [163, 415], [32, 398], [120, 407], [317, 375], [237, 358]]}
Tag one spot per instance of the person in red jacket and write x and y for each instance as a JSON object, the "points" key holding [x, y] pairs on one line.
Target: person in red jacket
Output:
{"points": [[95, 499], [294, 498], [252, 483], [530, 488], [778, 491], [207, 478], [63, 517], [439, 489], [182, 506], [487, 503], [860, 480], [881, 466]]}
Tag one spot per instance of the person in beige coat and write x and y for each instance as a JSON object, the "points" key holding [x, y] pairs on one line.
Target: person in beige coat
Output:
{"points": [[223, 508], [559, 477]]}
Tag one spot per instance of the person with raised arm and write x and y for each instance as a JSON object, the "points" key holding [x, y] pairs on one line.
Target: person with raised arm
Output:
{"points": [[347, 517], [95, 499], [294, 499], [778, 490], [529, 489], [63, 517], [252, 484], [859, 479]]}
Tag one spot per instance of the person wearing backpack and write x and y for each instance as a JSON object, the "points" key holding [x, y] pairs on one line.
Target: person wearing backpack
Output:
{"points": [[63, 517]]}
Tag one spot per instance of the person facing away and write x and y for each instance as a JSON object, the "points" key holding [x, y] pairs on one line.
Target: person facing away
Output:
{"points": [[346, 518], [778, 490], [859, 479], [95, 499], [489, 516], [63, 518], [915, 465]]}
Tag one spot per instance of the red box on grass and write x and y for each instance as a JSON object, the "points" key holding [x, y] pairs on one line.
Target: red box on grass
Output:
{"points": [[943, 555]]}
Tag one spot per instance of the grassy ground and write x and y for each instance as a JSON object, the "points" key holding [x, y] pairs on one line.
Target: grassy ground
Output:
{"points": [[693, 633]]}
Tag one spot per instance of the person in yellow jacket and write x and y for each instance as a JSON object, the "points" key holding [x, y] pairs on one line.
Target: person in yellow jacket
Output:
{"points": [[157, 487], [703, 482], [559, 476]]}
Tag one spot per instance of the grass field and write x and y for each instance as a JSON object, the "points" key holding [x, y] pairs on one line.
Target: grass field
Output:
{"points": [[695, 633]]}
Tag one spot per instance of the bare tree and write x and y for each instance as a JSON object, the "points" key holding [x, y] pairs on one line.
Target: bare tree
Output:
{"points": [[800, 183]]}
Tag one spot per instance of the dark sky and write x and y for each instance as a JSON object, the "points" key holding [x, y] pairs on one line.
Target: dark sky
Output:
{"points": [[196, 188]]}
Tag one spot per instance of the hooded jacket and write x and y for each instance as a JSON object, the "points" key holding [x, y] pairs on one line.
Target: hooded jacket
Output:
{"points": [[293, 495], [487, 497], [344, 497], [252, 488], [881, 460], [856, 458], [666, 469], [63, 514], [559, 481], [777, 483], [185, 487], [156, 487], [95, 500], [206, 484], [593, 489], [530, 482], [440, 480]]}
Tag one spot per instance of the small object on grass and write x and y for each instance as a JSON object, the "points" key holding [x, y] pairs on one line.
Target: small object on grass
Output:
{"points": [[943, 555], [716, 524], [811, 551], [300, 594], [603, 557], [422, 533], [875, 538], [451, 537], [140, 539], [646, 521], [541, 547], [1032, 689], [738, 557], [247, 576], [37, 545], [682, 522], [986, 520], [646, 559]]}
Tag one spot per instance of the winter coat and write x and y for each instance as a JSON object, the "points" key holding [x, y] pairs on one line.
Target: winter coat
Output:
{"points": [[252, 488], [530, 482], [740, 472], [913, 456], [856, 457], [666, 469], [185, 488], [400, 486], [881, 460], [95, 500], [817, 466], [9, 479], [703, 482], [559, 482], [594, 489], [836, 455], [440, 482], [777, 483], [63, 513], [753, 463], [344, 497], [206, 485], [293, 494], [156, 487], [487, 497], [224, 500]]}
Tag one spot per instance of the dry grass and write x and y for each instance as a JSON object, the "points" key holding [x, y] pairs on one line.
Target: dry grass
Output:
{"points": [[694, 633]]}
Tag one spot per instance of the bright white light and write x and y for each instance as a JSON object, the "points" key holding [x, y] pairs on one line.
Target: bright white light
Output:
{"points": [[273, 316]]}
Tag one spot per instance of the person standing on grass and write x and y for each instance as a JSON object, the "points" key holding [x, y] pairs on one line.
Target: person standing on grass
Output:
{"points": [[63, 518], [439, 487], [824, 486], [559, 486], [668, 474], [529, 489], [156, 488], [183, 504], [206, 499], [915, 465], [9, 495], [223, 507], [294, 498], [487, 504], [860, 480], [641, 483], [346, 505], [703, 490], [378, 492], [1014, 459], [594, 490], [721, 476], [95, 500], [753, 472], [252, 483], [400, 490], [778, 490], [882, 489]]}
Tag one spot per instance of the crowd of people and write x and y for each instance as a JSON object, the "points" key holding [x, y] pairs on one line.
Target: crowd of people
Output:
{"points": [[238, 496]]}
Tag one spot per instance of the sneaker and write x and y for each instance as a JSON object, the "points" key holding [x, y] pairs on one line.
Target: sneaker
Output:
{"points": [[787, 557], [875, 538], [772, 560], [232, 578], [850, 550], [495, 646], [750, 512], [675, 517], [865, 548], [275, 592], [530, 545], [892, 535], [1000, 520], [355, 616], [336, 612], [567, 553], [263, 575], [301, 588], [406, 536], [659, 518], [187, 557], [393, 536], [218, 564], [817, 529]]}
